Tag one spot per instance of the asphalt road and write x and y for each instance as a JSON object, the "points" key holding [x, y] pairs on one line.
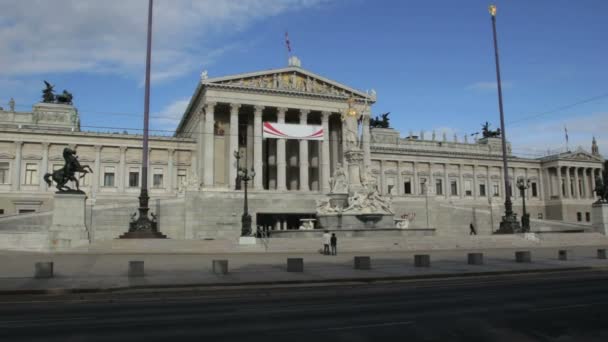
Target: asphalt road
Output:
{"points": [[569, 306]]}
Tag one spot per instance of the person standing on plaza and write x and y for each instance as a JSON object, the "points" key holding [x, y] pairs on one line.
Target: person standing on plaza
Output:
{"points": [[334, 244], [326, 242], [472, 231]]}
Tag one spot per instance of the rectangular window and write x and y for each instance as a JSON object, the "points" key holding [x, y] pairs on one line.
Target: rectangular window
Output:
{"points": [[588, 216], [4, 173], [422, 186], [468, 188], [31, 174], [407, 187], [134, 177], [579, 216], [540, 216], [482, 190], [534, 189], [495, 190], [26, 211], [438, 186], [181, 177], [453, 188], [108, 176], [1, 211], [157, 180]]}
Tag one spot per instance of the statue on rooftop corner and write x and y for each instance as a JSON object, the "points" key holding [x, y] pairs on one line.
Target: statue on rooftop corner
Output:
{"points": [[47, 93], [67, 172], [487, 133], [64, 98], [380, 121]]}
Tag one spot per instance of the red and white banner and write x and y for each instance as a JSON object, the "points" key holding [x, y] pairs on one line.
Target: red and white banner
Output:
{"points": [[275, 130]]}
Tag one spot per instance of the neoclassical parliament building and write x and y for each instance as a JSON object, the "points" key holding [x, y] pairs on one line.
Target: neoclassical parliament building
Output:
{"points": [[435, 181]]}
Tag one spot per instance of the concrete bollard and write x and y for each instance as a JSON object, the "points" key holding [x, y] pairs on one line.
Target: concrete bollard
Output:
{"points": [[563, 254], [295, 265], [136, 269], [43, 270], [475, 258], [601, 253], [362, 263], [523, 256], [220, 266], [422, 260]]}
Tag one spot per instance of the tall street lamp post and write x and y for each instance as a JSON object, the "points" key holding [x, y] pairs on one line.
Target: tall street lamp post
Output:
{"points": [[509, 223], [525, 217], [143, 227], [246, 176], [237, 181]]}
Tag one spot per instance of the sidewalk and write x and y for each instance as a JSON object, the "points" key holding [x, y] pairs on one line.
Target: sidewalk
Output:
{"points": [[106, 272]]}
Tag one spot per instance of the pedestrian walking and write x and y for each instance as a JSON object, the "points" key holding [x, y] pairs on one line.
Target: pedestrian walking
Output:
{"points": [[334, 244], [326, 242], [472, 228]]}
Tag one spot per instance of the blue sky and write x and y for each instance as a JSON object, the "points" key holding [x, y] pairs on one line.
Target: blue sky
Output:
{"points": [[431, 62]]}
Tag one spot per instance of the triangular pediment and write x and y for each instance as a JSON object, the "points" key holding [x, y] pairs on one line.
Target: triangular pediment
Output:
{"points": [[290, 79], [580, 155]]}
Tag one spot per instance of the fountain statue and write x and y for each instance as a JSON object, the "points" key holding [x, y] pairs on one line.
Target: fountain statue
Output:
{"points": [[354, 201]]}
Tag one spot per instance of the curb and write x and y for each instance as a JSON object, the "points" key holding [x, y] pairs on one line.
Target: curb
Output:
{"points": [[328, 282]]}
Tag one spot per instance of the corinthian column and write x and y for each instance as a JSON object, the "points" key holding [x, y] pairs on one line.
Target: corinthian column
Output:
{"points": [[325, 153], [209, 144], [16, 181], [257, 148], [365, 140], [304, 154], [234, 143], [281, 163]]}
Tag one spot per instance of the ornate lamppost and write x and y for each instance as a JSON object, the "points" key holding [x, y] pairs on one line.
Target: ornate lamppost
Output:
{"points": [[143, 227], [509, 223], [237, 181], [246, 176], [525, 218]]}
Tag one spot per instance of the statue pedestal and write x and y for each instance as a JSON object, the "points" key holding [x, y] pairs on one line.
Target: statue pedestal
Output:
{"points": [[354, 160], [599, 217], [68, 227]]}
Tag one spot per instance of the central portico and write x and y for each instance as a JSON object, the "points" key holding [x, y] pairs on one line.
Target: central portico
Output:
{"points": [[226, 114]]}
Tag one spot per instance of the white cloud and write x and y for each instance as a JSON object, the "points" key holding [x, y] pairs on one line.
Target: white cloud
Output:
{"points": [[487, 85], [168, 117], [40, 36]]}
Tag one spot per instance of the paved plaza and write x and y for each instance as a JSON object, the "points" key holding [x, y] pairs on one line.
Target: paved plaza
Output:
{"points": [[99, 271]]}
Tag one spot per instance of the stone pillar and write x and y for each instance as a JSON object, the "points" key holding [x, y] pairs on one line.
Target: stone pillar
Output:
{"points": [[569, 193], [515, 193], [304, 154], [382, 180], [97, 173], [45, 165], [121, 169], [365, 140], [431, 188], [399, 185], [208, 164], [415, 190], [593, 183], [584, 187], [16, 181], [577, 188], [460, 182], [446, 182], [475, 189], [233, 143], [281, 155], [170, 171], [200, 153], [541, 187], [68, 227], [257, 149], [325, 153]]}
